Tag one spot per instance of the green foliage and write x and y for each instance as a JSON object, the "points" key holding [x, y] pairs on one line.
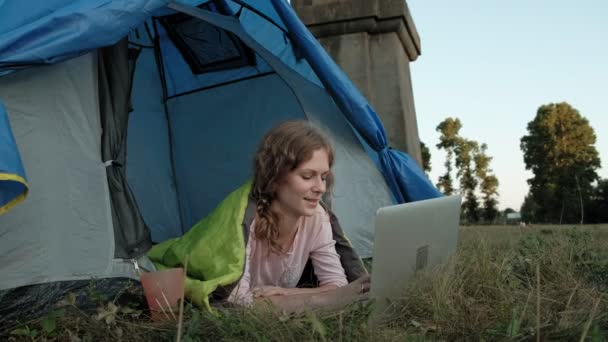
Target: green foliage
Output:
{"points": [[70, 323], [465, 150], [49, 323], [529, 209], [488, 184], [472, 170], [559, 150], [192, 330], [597, 335], [25, 331], [94, 294], [46, 326], [448, 140], [426, 157]]}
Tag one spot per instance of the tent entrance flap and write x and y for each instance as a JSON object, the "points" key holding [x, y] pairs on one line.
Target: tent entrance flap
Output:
{"points": [[131, 235]]}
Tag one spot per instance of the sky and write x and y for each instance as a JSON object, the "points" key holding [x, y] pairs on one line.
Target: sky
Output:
{"points": [[493, 63]]}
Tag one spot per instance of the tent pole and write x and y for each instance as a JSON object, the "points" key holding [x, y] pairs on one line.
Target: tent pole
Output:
{"points": [[161, 71]]}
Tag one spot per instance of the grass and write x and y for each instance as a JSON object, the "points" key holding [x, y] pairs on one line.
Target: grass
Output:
{"points": [[505, 283], [509, 283]]}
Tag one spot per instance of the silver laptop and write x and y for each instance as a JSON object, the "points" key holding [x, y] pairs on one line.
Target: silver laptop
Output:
{"points": [[410, 237]]}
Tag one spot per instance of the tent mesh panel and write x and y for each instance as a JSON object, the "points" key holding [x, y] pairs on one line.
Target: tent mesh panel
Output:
{"points": [[206, 47]]}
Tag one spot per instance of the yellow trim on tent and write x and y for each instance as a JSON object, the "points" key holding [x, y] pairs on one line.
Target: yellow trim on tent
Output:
{"points": [[15, 178]]}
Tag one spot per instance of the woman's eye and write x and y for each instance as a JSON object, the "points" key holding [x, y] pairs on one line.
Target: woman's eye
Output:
{"points": [[307, 177]]}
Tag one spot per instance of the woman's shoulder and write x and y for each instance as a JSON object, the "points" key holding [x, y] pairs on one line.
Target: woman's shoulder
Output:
{"points": [[321, 213]]}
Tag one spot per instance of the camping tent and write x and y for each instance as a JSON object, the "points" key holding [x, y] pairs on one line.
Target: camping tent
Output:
{"points": [[123, 123]]}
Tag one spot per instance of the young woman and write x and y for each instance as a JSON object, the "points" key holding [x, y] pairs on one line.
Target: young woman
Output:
{"points": [[292, 171]]}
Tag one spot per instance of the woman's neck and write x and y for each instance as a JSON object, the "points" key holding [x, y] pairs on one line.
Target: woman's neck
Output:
{"points": [[288, 223]]}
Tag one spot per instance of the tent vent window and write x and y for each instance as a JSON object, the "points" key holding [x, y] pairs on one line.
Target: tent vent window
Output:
{"points": [[206, 47]]}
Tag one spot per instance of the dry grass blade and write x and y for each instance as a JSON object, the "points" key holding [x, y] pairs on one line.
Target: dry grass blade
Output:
{"points": [[162, 309], [538, 302], [565, 311], [181, 304], [590, 320], [170, 308]]}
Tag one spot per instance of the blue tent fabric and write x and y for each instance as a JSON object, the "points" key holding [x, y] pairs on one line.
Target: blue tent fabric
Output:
{"points": [[56, 30], [268, 10], [276, 42], [61, 29], [13, 184], [405, 178], [149, 170], [196, 127]]}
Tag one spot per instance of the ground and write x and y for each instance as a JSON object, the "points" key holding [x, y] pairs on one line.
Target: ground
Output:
{"points": [[505, 283]]}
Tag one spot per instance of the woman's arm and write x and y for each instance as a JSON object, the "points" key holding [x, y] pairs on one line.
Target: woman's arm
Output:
{"points": [[268, 291], [325, 259], [334, 298]]}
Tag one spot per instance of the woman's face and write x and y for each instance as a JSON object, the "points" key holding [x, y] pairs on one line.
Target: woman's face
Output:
{"points": [[300, 191]]}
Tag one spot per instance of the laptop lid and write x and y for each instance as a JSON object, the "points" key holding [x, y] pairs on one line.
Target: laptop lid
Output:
{"points": [[410, 237]]}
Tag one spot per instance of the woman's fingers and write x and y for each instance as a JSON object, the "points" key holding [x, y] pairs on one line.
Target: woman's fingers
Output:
{"points": [[366, 282], [363, 283]]}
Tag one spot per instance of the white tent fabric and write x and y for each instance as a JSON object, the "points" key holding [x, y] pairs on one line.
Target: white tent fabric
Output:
{"points": [[63, 230]]}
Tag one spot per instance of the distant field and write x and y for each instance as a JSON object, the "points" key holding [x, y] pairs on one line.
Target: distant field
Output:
{"points": [[508, 235]]}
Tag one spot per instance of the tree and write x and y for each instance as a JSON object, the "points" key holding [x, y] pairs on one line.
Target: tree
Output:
{"points": [[488, 184], [598, 203], [464, 151], [426, 158], [472, 166], [559, 149], [448, 140], [529, 209]]}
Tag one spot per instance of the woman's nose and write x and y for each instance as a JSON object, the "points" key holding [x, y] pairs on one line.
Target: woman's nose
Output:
{"points": [[319, 185]]}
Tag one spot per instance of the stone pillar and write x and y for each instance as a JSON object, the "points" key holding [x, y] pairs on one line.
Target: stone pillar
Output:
{"points": [[373, 41]]}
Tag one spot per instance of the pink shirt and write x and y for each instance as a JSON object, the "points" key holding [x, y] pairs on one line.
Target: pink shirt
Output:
{"points": [[313, 239]]}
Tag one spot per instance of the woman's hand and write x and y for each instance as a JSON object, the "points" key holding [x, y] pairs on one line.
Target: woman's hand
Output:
{"points": [[363, 283], [358, 287]]}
